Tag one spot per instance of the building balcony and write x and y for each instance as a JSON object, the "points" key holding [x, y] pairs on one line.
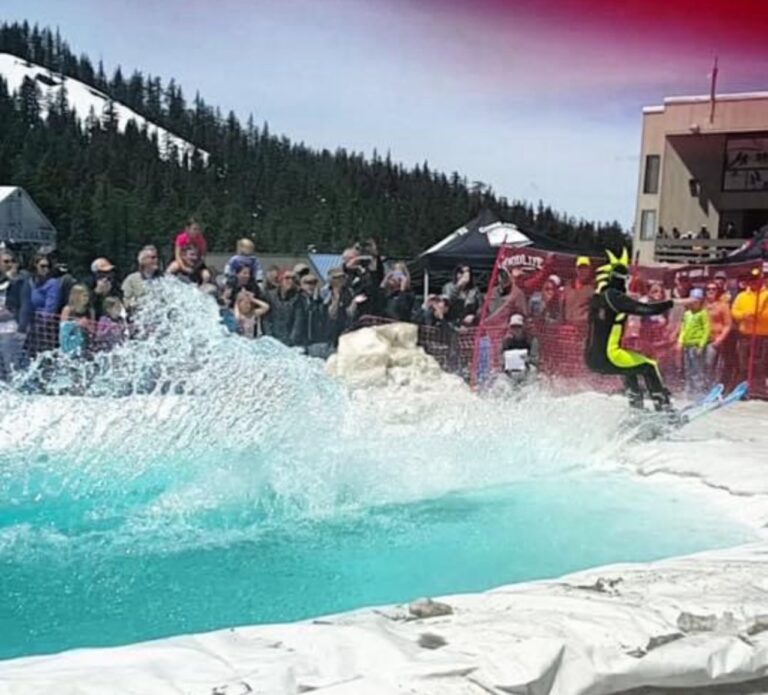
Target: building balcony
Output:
{"points": [[693, 250]]}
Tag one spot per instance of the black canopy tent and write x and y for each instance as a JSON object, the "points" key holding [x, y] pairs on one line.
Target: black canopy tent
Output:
{"points": [[477, 244]]}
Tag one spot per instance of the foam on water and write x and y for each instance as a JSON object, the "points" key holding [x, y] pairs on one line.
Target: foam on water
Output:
{"points": [[190, 420]]}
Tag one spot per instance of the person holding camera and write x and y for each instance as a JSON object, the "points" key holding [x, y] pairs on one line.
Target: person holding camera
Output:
{"points": [[465, 298], [102, 285], [362, 271], [339, 304], [398, 298]]}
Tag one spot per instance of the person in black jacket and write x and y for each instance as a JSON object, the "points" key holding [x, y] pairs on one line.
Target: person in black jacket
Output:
{"points": [[309, 326], [281, 300], [608, 314], [399, 300]]}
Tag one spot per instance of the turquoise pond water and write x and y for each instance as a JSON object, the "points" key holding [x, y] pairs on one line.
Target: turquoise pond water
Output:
{"points": [[264, 493], [72, 583]]}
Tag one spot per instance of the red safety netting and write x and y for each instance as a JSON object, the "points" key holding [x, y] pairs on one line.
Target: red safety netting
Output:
{"points": [[543, 287]]}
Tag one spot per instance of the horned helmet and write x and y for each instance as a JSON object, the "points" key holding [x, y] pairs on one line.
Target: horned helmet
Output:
{"points": [[614, 273]]}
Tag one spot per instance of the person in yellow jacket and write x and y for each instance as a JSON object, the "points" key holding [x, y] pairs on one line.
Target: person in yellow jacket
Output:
{"points": [[750, 308], [694, 337], [750, 313]]}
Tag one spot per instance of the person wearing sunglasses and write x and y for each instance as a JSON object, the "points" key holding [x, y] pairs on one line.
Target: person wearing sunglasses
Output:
{"points": [[135, 284], [309, 325], [720, 323], [44, 295]]}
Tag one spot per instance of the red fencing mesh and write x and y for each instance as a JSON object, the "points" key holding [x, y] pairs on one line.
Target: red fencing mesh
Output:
{"points": [[44, 335], [543, 287]]}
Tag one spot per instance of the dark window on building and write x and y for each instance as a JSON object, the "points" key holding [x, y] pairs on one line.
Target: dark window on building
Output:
{"points": [[651, 179]]}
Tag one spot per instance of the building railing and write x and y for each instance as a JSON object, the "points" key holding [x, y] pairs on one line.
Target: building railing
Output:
{"points": [[693, 250]]}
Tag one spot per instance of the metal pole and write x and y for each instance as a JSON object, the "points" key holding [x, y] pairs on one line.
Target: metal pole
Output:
{"points": [[426, 285]]}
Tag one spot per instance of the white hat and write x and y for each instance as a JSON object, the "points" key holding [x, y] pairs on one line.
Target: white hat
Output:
{"points": [[516, 320], [555, 279]]}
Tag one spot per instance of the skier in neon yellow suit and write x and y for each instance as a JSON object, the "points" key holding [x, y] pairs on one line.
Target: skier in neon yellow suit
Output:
{"points": [[608, 312]]}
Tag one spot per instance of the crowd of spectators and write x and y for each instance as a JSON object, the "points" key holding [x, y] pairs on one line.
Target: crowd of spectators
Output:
{"points": [[46, 307]]}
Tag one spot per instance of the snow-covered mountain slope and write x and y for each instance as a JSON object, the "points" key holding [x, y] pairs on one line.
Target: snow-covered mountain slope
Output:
{"points": [[83, 98]]}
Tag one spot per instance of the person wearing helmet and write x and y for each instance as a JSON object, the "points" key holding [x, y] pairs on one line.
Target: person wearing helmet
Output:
{"points": [[609, 308]]}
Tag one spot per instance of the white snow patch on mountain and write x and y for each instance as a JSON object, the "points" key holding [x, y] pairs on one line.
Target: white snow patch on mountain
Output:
{"points": [[82, 98]]}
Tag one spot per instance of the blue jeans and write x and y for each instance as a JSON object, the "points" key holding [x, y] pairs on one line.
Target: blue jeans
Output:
{"points": [[11, 353], [694, 370]]}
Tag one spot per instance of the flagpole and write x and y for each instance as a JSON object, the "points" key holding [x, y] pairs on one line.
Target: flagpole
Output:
{"points": [[712, 93]]}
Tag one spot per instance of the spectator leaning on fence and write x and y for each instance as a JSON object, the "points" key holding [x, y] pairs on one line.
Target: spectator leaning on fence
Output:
{"points": [[750, 313], [76, 322], [721, 282], [720, 323], [112, 329], [694, 338], [750, 308], [578, 294], [11, 337], [135, 284], [547, 305], [43, 291]]}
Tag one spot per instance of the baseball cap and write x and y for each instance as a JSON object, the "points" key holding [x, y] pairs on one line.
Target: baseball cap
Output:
{"points": [[101, 265], [301, 269], [336, 272], [582, 260], [516, 320], [721, 274], [697, 293]]}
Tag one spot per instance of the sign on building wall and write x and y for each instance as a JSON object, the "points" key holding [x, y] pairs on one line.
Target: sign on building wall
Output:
{"points": [[746, 164]]}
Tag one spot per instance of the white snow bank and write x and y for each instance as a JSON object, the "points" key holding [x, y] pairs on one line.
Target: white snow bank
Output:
{"points": [[727, 451]]}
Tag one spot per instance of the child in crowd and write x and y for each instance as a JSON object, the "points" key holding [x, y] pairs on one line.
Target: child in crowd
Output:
{"points": [[694, 337], [76, 319], [244, 256], [248, 312], [112, 328], [192, 235]]}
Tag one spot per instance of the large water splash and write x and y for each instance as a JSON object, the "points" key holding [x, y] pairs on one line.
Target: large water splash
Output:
{"points": [[191, 434]]}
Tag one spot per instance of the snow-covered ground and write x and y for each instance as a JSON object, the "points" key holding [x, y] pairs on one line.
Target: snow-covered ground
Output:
{"points": [[686, 622], [84, 99]]}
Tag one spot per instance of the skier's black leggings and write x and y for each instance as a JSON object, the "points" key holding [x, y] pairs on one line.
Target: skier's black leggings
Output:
{"points": [[653, 383]]}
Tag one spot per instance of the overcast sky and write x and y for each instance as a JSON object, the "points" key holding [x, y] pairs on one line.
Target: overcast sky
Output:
{"points": [[539, 103]]}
